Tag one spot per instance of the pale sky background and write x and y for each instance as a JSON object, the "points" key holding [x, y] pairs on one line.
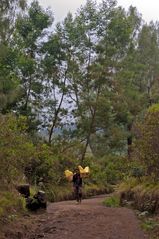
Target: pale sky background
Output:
{"points": [[148, 8]]}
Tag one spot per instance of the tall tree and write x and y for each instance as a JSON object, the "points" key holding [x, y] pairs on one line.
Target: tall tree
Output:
{"points": [[30, 33], [56, 67], [8, 79], [148, 56]]}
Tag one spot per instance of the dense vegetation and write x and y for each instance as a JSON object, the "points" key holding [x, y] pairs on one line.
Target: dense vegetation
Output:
{"points": [[83, 91]]}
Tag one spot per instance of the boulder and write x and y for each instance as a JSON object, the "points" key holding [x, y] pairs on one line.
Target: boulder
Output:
{"points": [[24, 190], [38, 201]]}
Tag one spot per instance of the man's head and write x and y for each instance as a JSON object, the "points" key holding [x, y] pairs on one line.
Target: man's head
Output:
{"points": [[77, 170]]}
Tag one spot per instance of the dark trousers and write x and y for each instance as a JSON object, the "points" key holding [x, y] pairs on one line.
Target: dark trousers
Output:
{"points": [[78, 193]]}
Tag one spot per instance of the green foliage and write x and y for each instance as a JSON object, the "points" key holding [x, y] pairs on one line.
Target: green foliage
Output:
{"points": [[84, 83], [113, 201], [11, 204], [30, 26], [135, 169], [153, 109], [28, 38], [14, 142], [137, 172], [100, 74], [147, 143], [149, 225], [9, 80], [40, 165], [128, 184], [59, 193], [114, 168], [143, 196]]}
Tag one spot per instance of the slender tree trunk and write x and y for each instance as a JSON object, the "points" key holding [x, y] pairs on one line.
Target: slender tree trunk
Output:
{"points": [[57, 112], [149, 87], [129, 140], [91, 127], [28, 94], [85, 148], [88, 137]]}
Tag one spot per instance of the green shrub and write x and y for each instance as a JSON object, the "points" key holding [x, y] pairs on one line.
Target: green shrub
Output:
{"points": [[11, 204], [113, 201], [147, 143], [149, 225], [144, 195], [59, 193], [109, 169], [13, 143]]}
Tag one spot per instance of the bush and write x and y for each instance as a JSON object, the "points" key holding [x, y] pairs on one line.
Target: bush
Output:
{"points": [[138, 172], [13, 143], [113, 201], [144, 196], [113, 168], [149, 225], [11, 204], [146, 148]]}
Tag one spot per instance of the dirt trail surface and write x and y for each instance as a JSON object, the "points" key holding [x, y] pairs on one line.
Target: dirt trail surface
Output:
{"points": [[89, 220]]}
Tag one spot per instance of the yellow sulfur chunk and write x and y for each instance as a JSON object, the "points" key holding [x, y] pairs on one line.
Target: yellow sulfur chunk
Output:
{"points": [[68, 175], [84, 171], [87, 170]]}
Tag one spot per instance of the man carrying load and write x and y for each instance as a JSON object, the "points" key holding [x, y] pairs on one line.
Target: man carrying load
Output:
{"points": [[77, 185], [76, 178]]}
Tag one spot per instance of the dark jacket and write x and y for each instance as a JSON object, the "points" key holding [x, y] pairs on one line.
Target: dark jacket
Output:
{"points": [[77, 180]]}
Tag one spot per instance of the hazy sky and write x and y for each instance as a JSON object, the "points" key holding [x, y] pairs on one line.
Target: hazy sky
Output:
{"points": [[148, 8]]}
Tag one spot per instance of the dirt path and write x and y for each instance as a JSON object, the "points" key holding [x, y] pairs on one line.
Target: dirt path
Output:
{"points": [[90, 220]]}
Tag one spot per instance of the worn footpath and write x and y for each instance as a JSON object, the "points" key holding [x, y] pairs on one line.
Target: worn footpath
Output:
{"points": [[88, 220]]}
